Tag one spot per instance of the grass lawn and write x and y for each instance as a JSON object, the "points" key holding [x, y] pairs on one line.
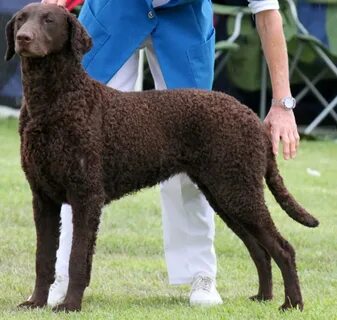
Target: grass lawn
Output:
{"points": [[129, 279]]}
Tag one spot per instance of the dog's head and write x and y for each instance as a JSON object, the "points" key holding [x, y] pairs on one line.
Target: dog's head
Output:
{"points": [[38, 30]]}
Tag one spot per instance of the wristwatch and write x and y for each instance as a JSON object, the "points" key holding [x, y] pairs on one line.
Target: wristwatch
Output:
{"points": [[287, 103]]}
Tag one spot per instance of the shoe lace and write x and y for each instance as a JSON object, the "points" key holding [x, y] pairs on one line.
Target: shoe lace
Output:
{"points": [[202, 283]]}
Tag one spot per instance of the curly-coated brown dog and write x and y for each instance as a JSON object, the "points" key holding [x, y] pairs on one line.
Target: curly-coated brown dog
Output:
{"points": [[86, 144]]}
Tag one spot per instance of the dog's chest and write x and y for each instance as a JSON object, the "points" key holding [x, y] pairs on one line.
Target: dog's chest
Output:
{"points": [[42, 153]]}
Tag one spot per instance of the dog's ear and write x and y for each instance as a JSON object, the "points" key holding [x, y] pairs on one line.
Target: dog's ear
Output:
{"points": [[80, 42], [10, 39]]}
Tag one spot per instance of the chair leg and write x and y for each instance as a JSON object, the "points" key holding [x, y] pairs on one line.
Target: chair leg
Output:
{"points": [[295, 60], [221, 64], [306, 89], [326, 59], [263, 91], [315, 91], [321, 116]]}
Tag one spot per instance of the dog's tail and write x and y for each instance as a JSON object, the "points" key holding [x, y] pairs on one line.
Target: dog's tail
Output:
{"points": [[282, 195]]}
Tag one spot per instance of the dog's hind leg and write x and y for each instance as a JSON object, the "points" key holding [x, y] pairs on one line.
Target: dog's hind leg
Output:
{"points": [[246, 206], [47, 223], [284, 255], [260, 256]]}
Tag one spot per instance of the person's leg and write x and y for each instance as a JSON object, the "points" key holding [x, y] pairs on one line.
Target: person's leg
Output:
{"points": [[188, 225], [124, 80], [58, 289], [126, 77]]}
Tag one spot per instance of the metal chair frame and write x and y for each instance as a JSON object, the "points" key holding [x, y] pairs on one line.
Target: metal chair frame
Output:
{"points": [[224, 48]]}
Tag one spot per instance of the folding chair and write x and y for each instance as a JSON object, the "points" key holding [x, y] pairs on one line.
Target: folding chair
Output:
{"points": [[224, 48], [321, 51]]}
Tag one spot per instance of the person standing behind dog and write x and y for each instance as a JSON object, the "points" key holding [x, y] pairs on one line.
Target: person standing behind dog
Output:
{"points": [[178, 37]]}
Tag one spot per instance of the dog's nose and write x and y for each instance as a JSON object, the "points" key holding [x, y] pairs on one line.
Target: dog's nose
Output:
{"points": [[24, 37]]}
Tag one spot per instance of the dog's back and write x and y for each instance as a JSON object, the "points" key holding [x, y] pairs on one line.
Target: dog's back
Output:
{"points": [[152, 135]]}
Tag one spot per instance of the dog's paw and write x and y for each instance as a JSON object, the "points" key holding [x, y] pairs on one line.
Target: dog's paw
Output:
{"points": [[31, 304], [295, 305], [260, 297], [67, 307]]}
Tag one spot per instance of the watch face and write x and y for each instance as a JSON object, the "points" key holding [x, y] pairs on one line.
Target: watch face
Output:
{"points": [[289, 103]]}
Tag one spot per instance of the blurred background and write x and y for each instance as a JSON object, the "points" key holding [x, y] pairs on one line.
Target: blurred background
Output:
{"points": [[240, 69]]}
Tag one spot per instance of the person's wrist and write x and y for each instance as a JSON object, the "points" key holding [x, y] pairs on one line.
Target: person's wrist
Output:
{"points": [[281, 110], [287, 102], [276, 107], [281, 91]]}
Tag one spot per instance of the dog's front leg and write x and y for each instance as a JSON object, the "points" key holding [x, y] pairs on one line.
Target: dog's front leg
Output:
{"points": [[83, 209], [93, 229], [47, 223]]}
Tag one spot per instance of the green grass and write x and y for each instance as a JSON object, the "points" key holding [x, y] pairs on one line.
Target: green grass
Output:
{"points": [[129, 278]]}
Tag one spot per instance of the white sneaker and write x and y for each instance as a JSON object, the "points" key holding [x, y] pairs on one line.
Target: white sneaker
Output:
{"points": [[204, 292], [58, 291]]}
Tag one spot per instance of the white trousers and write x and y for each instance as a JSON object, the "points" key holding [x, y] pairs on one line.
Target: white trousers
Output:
{"points": [[188, 220]]}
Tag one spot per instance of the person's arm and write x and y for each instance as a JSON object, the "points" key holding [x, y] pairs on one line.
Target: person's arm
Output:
{"points": [[58, 2], [280, 122]]}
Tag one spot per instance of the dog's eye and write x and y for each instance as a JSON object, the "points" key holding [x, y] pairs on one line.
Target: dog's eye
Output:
{"points": [[19, 18]]}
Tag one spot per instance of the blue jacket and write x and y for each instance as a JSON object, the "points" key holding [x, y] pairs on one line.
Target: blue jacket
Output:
{"points": [[182, 34]]}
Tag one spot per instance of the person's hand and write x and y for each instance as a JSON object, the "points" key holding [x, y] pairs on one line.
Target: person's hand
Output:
{"points": [[281, 124], [58, 2]]}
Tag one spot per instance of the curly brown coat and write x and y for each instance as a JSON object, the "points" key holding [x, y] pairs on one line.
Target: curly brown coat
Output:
{"points": [[86, 144]]}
